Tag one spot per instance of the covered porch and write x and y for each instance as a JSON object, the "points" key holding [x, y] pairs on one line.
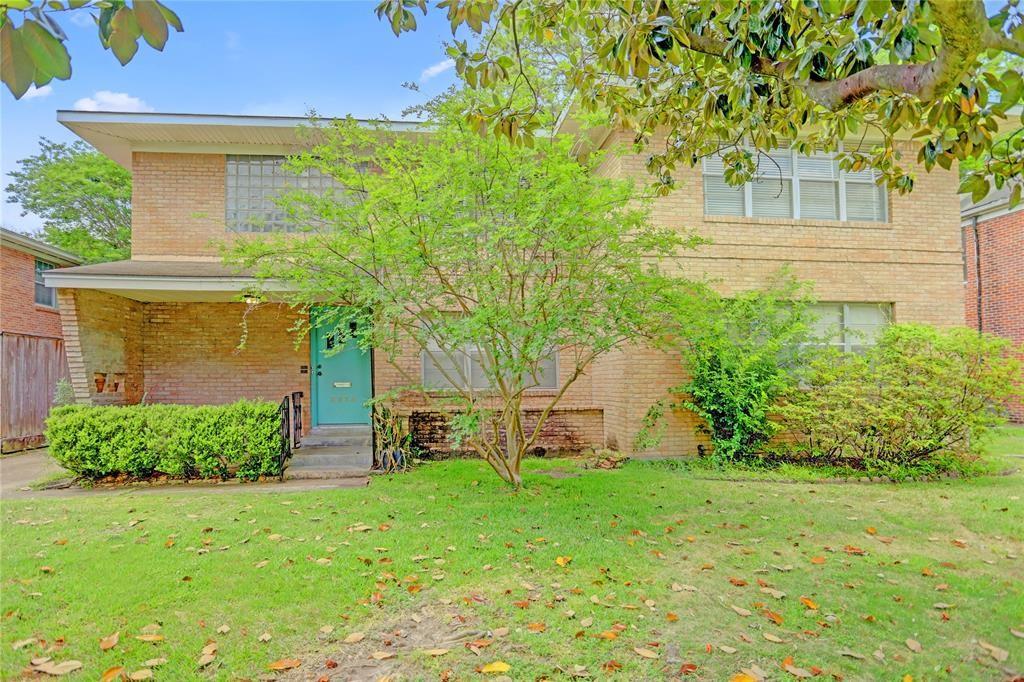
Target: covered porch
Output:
{"points": [[180, 332]]}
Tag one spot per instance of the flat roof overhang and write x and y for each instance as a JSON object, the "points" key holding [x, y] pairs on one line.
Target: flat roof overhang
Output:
{"points": [[162, 281], [118, 134]]}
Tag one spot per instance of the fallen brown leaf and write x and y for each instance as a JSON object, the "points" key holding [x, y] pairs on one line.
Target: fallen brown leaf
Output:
{"points": [[285, 664], [110, 641]]}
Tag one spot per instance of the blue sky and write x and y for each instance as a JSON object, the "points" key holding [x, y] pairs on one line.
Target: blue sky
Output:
{"points": [[266, 58]]}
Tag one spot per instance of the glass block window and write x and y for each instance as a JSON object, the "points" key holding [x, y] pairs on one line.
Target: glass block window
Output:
{"points": [[44, 294], [792, 185], [254, 182], [851, 327], [444, 371]]}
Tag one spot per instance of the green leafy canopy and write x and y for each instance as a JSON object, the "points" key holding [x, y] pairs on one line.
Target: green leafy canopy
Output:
{"points": [[938, 81], [448, 240], [83, 197], [34, 52]]}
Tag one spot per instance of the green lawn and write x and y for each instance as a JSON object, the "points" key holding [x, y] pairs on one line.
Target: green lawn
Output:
{"points": [[661, 563]]}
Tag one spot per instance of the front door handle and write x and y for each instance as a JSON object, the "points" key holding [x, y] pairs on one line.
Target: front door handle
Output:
{"points": [[319, 374]]}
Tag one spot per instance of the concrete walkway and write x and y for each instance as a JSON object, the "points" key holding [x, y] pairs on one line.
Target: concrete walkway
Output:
{"points": [[17, 472]]}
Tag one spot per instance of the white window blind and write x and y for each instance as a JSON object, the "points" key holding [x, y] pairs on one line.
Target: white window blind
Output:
{"points": [[444, 371], [851, 326], [791, 185]]}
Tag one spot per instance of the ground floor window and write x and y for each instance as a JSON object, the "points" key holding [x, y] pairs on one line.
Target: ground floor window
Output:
{"points": [[851, 327], [443, 370]]}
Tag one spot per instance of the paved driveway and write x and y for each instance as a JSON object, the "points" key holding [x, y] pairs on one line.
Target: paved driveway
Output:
{"points": [[18, 471]]}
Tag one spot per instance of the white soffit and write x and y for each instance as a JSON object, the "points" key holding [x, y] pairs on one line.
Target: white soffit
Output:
{"points": [[118, 134]]}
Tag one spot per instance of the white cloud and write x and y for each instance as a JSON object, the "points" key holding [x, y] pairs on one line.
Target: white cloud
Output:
{"points": [[33, 92], [83, 19], [436, 69], [105, 100]]}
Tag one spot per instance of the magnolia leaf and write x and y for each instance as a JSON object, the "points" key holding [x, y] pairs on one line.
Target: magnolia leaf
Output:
{"points": [[16, 66], [111, 674], [48, 53], [124, 35], [151, 22], [110, 641], [56, 669]]}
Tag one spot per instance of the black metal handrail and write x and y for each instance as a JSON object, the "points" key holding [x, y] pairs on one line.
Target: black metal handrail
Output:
{"points": [[285, 412], [296, 420]]}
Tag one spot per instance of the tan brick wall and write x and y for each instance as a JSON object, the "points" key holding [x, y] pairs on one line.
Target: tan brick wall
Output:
{"points": [[19, 313], [913, 261], [103, 340], [177, 204], [578, 422], [185, 353], [192, 354]]}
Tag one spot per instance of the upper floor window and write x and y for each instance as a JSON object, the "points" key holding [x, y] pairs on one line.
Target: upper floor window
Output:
{"points": [[44, 294], [851, 326], [253, 184], [792, 185]]}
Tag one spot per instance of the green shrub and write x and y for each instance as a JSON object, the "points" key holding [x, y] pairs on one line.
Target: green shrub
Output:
{"points": [[183, 441], [918, 402], [740, 354]]}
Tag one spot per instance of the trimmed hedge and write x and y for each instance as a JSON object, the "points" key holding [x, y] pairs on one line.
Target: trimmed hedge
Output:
{"points": [[242, 439]]}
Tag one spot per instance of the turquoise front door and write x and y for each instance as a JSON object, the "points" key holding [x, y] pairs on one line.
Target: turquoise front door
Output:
{"points": [[341, 380]]}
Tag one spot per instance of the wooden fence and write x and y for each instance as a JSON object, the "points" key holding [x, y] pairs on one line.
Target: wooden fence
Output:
{"points": [[29, 369]]}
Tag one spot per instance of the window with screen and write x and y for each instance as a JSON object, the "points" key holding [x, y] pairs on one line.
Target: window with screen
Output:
{"points": [[446, 371], [792, 185], [44, 294], [851, 327]]}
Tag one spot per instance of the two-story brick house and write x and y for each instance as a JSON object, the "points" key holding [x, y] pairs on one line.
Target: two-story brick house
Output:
{"points": [[165, 325], [31, 340]]}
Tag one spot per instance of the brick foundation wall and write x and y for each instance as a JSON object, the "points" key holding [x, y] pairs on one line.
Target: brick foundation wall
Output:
{"points": [[1001, 252], [19, 312], [564, 432]]}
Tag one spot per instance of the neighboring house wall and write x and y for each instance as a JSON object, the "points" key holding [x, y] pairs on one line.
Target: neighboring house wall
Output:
{"points": [[1000, 251], [20, 313], [32, 358], [912, 261]]}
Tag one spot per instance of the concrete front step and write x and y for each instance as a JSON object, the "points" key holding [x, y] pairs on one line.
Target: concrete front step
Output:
{"points": [[338, 436], [329, 462]]}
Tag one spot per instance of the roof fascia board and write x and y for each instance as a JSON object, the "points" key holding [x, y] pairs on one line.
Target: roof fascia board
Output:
{"points": [[57, 279], [38, 249]]}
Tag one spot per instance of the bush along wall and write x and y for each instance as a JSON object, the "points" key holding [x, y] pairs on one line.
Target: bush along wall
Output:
{"points": [[918, 403], [240, 440]]}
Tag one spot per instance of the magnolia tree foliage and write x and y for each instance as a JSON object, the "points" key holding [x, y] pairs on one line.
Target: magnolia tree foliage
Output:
{"points": [[722, 75], [32, 42], [83, 197], [451, 243]]}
